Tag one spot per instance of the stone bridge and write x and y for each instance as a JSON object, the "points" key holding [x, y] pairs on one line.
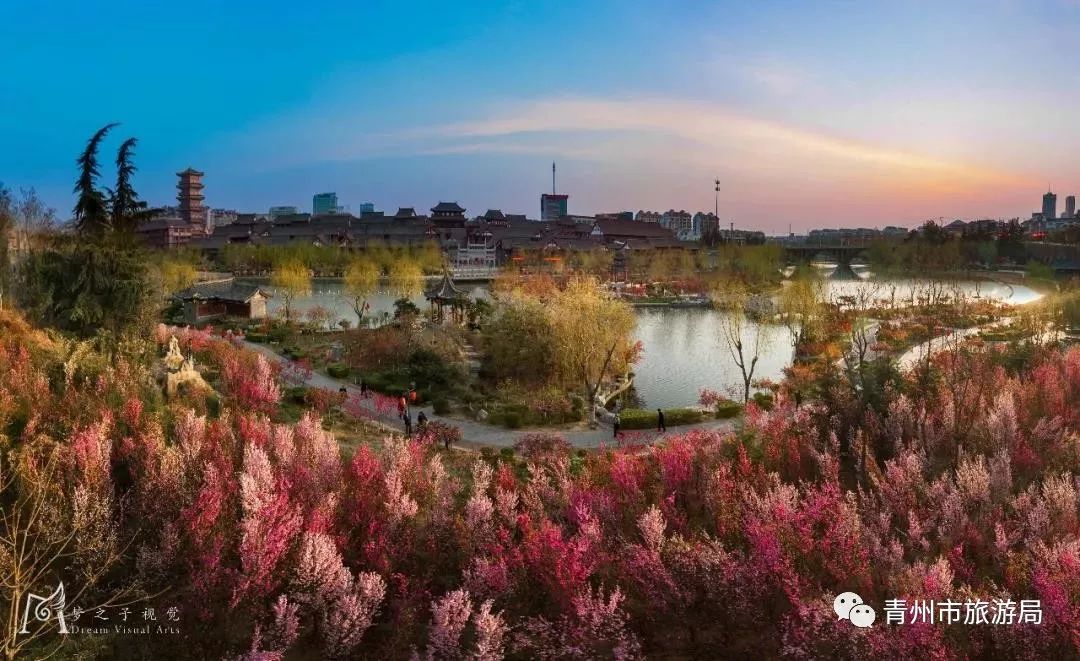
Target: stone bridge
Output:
{"points": [[842, 253]]}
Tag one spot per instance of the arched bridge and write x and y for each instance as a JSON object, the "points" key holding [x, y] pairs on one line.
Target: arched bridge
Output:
{"points": [[842, 252]]}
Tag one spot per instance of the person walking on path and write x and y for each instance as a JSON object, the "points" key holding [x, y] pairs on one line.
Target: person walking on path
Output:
{"points": [[660, 426], [615, 426], [421, 422], [363, 389], [408, 424], [402, 406]]}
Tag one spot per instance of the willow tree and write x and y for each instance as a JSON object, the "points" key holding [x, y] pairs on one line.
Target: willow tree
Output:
{"points": [[801, 306], [592, 335], [292, 278], [177, 274], [406, 278], [361, 281], [744, 339]]}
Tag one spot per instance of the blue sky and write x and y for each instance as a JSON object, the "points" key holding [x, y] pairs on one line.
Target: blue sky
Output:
{"points": [[821, 113]]}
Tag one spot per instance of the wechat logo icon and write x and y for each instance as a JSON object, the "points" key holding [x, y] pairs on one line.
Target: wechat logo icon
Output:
{"points": [[849, 606]]}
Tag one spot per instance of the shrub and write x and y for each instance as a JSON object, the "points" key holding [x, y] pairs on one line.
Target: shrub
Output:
{"points": [[727, 409], [297, 394], [512, 419], [213, 405], [338, 371], [763, 400], [378, 349], [322, 399], [432, 373], [646, 419], [294, 352], [507, 454], [391, 382], [259, 338], [440, 406], [536, 446], [278, 334]]}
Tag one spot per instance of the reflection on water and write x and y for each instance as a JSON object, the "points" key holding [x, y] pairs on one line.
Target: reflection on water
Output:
{"points": [[684, 348], [685, 352], [329, 294]]}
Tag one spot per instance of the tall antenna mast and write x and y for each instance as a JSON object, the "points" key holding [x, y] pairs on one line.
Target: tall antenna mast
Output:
{"points": [[553, 177]]}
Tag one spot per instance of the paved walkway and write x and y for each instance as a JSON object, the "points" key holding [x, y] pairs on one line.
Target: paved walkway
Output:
{"points": [[481, 434]]}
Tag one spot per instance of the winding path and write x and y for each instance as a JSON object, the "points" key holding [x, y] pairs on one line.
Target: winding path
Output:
{"points": [[489, 435]]}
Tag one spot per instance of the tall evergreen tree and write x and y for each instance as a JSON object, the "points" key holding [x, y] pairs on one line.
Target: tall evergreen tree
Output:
{"points": [[125, 205], [91, 209]]}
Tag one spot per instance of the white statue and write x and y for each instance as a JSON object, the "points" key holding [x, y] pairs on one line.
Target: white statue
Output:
{"points": [[174, 359]]}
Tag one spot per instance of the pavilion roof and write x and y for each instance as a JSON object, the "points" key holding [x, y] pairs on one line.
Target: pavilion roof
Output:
{"points": [[446, 290]]}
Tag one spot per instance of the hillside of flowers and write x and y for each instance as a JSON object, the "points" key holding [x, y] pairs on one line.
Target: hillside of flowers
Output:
{"points": [[269, 543]]}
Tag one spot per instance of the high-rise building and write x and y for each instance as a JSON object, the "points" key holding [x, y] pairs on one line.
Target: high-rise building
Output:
{"points": [[676, 221], [553, 207], [191, 199], [367, 207], [323, 203], [1049, 210], [278, 211], [705, 223], [1070, 206]]}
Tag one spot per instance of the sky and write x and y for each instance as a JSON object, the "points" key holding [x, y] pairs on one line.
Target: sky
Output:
{"points": [[810, 114]]}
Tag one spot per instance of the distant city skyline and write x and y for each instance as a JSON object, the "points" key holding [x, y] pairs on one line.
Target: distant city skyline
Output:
{"points": [[819, 115]]}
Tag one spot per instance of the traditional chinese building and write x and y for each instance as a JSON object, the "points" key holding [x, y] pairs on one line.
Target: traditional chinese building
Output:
{"points": [[164, 233], [448, 214], [208, 301], [446, 295], [191, 199]]}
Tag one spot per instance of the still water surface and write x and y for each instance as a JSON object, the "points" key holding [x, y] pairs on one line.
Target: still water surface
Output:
{"points": [[684, 349]]}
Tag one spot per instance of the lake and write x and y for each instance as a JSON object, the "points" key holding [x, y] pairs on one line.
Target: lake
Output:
{"points": [[684, 350]]}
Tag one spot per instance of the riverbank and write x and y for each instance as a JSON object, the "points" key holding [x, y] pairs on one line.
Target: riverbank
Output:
{"points": [[481, 435]]}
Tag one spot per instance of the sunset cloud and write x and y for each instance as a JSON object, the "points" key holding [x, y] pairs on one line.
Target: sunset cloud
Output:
{"points": [[713, 135]]}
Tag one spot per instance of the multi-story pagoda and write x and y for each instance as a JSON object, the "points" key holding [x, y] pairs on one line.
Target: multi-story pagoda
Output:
{"points": [[191, 199]]}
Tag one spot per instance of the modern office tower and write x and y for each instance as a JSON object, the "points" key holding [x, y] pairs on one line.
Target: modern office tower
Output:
{"points": [[1049, 208], [552, 206], [322, 203], [276, 212]]}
